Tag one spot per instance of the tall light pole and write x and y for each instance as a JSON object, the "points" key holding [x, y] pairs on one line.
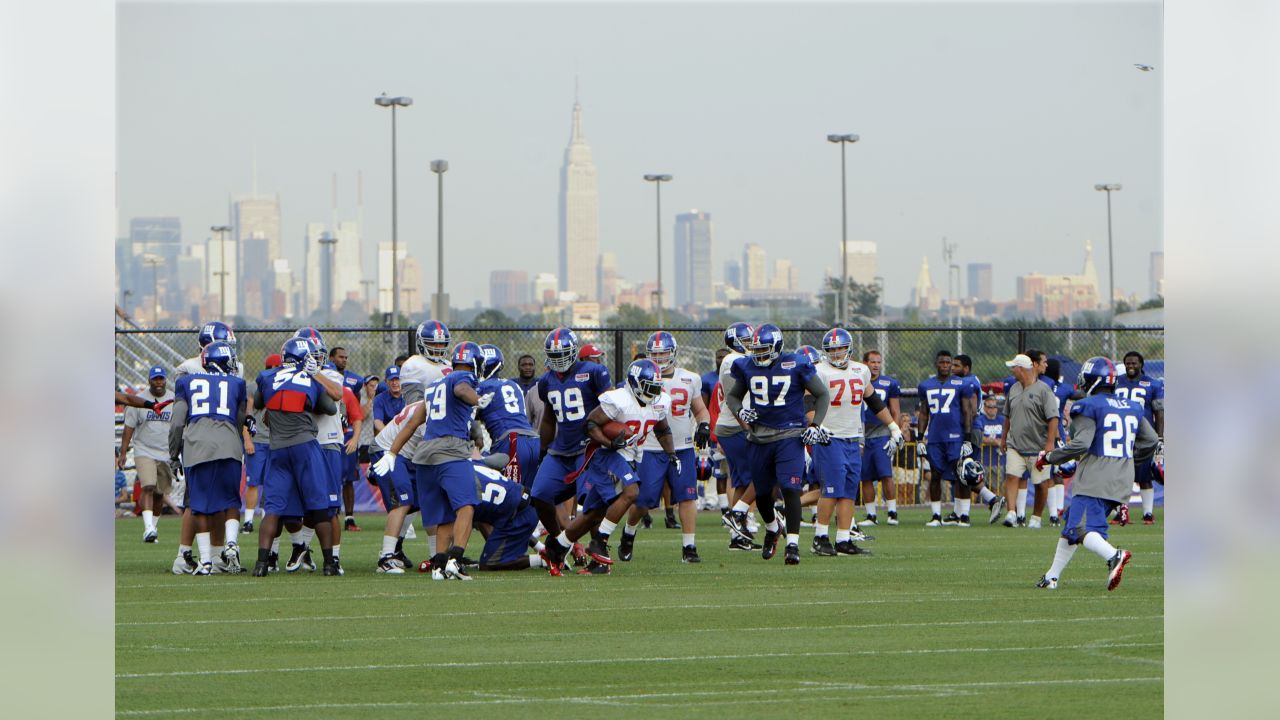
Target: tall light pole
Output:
{"points": [[1111, 266], [154, 261], [222, 231], [393, 102], [441, 309], [842, 310], [657, 181]]}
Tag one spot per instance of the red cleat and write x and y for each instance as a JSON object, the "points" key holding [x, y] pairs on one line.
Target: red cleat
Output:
{"points": [[553, 569], [579, 554], [1122, 517], [1116, 568]]}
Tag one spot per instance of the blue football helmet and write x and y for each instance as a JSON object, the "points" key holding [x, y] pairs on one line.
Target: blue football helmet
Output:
{"points": [[1068, 468], [296, 350], [765, 345], [562, 349], [705, 469], [492, 361], [644, 380], [321, 353], [836, 344], [217, 331], [736, 337], [971, 472], [468, 355], [433, 340], [810, 353], [1096, 372], [219, 358], [661, 348]]}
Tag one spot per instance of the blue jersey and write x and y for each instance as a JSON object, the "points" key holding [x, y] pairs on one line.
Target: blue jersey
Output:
{"points": [[447, 416], [885, 388], [709, 381], [1063, 391], [989, 428], [570, 397], [288, 389], [944, 398], [211, 396], [499, 498], [1116, 422], [776, 391], [506, 412], [386, 407], [1008, 383], [977, 386], [1141, 391]]}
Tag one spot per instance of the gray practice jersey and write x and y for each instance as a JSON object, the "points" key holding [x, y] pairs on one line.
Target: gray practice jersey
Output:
{"points": [[206, 439], [263, 434], [1029, 410], [294, 428], [1110, 478]]}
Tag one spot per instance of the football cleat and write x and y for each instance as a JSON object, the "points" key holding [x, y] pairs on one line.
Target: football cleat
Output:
{"points": [[204, 569], [555, 553], [307, 563], [822, 546], [424, 566], [1047, 583], [951, 519], [350, 525], [1010, 522], [671, 522], [847, 547], [1055, 521], [260, 569], [404, 560], [1115, 568], [770, 545], [1022, 522], [870, 521], [295, 559], [1148, 519], [273, 562], [646, 521], [468, 564], [247, 526], [553, 569], [893, 517], [390, 565], [857, 535], [453, 570], [331, 569], [791, 555], [150, 536], [737, 543], [996, 506], [579, 554], [736, 522], [594, 568], [936, 521], [689, 554], [184, 564], [599, 551], [1034, 522], [231, 558], [626, 547], [963, 521]]}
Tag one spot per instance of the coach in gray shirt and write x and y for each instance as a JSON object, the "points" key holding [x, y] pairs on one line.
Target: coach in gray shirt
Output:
{"points": [[1030, 426]]}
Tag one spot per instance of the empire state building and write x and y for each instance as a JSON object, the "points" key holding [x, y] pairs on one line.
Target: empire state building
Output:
{"points": [[579, 211]]}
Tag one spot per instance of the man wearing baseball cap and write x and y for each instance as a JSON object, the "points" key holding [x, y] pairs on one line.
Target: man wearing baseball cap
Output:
{"points": [[148, 431], [1030, 426]]}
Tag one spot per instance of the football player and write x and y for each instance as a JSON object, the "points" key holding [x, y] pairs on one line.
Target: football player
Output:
{"points": [[351, 437], [297, 484], [431, 362], [609, 480], [690, 427], [257, 456], [395, 480], [1148, 394], [838, 465], [877, 461], [208, 412], [506, 420], [502, 509], [729, 431], [1109, 435], [777, 429], [570, 392], [331, 433]]}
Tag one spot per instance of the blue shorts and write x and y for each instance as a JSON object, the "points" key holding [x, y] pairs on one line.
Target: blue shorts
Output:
{"points": [[778, 464], [876, 463], [549, 485], [1142, 472], [736, 453], [838, 468], [444, 488], [509, 541], [397, 487], [656, 470], [1086, 514], [214, 486], [333, 473], [527, 451], [604, 479], [350, 466], [258, 465], [297, 481], [943, 457]]}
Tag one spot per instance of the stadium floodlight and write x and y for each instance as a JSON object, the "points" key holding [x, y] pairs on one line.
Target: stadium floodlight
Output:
{"points": [[657, 181], [384, 100], [842, 308]]}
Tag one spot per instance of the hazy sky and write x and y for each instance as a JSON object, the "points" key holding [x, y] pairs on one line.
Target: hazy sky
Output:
{"points": [[985, 123]]}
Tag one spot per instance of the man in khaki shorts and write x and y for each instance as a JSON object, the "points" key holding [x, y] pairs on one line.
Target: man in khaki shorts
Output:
{"points": [[1030, 427], [148, 431]]}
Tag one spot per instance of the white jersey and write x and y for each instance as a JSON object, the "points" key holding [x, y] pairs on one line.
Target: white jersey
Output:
{"points": [[847, 386], [621, 405], [683, 386], [192, 366], [421, 371], [725, 418], [388, 434], [329, 427]]}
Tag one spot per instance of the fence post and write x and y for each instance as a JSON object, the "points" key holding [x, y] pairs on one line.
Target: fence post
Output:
{"points": [[1022, 340], [618, 354]]}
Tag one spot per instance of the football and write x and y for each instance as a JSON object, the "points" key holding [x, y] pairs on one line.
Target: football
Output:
{"points": [[613, 428]]}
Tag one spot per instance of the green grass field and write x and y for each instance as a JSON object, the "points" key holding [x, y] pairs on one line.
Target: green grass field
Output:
{"points": [[941, 622]]}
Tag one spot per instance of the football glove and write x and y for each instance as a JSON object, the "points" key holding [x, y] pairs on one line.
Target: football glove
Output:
{"points": [[748, 415], [158, 407], [1040, 461], [311, 367], [1068, 468], [895, 440], [620, 441], [921, 450], [702, 435], [251, 425], [386, 464], [815, 435], [675, 460], [966, 449], [484, 401]]}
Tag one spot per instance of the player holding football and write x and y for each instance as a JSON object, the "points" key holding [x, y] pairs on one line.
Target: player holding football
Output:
{"points": [[838, 465], [1147, 393], [1109, 434], [777, 429], [877, 461]]}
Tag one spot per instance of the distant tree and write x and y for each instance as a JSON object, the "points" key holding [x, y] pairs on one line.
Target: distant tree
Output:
{"points": [[862, 299], [1155, 302], [491, 318], [628, 315]]}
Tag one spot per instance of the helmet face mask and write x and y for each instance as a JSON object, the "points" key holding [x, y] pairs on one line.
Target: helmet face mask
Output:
{"points": [[468, 356], [661, 349], [562, 349], [836, 344], [433, 341], [644, 380], [765, 345], [737, 335], [296, 350]]}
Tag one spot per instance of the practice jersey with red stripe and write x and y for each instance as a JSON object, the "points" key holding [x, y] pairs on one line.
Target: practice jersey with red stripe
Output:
{"points": [[683, 386], [847, 387], [622, 406]]}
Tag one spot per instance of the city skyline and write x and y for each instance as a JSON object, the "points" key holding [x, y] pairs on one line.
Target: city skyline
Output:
{"points": [[777, 185]]}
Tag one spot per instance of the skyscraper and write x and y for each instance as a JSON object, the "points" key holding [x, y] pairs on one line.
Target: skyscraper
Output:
{"points": [[256, 217], [693, 258], [508, 288], [579, 215], [980, 281], [863, 261], [755, 276], [733, 274], [156, 239], [608, 279]]}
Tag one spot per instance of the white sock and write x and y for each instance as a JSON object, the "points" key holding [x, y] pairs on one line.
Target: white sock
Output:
{"points": [[540, 530], [305, 535], [842, 536], [275, 545], [1061, 557], [245, 514], [1052, 505], [337, 550], [1148, 500], [233, 531], [1094, 542], [1059, 495], [936, 507], [183, 550], [607, 527], [1010, 516], [963, 505], [563, 540], [773, 525], [389, 544], [540, 547], [819, 530], [1021, 505], [985, 495], [630, 529], [871, 509], [431, 545], [206, 550], [741, 507], [892, 505], [148, 520], [793, 538], [535, 561], [404, 526], [688, 539], [349, 518], [723, 501]]}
